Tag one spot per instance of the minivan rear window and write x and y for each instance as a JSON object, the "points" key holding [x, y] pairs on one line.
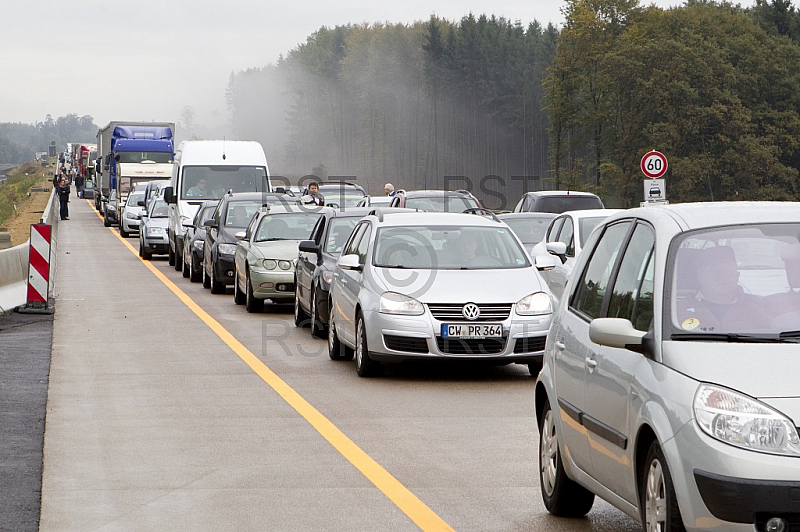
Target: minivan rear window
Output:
{"points": [[559, 204]]}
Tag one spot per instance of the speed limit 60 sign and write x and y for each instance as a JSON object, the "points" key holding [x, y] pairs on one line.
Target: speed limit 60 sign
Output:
{"points": [[654, 164]]}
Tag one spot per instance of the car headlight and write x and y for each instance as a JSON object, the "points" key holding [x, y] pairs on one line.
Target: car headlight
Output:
{"points": [[742, 421], [537, 303], [270, 264], [131, 215], [327, 277], [227, 249], [394, 303], [198, 245], [285, 264], [155, 230]]}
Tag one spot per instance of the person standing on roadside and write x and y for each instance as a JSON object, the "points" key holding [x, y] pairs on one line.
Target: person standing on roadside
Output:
{"points": [[63, 197], [388, 189], [79, 186]]}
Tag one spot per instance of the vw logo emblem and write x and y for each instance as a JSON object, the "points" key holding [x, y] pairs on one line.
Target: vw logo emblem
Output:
{"points": [[471, 311]]}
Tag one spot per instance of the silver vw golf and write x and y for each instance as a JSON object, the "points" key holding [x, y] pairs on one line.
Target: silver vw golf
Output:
{"points": [[669, 385], [433, 286]]}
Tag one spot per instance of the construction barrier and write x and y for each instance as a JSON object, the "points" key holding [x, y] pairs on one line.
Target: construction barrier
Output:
{"points": [[39, 266]]}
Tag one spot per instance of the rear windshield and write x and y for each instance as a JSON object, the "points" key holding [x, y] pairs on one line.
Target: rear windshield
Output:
{"points": [[442, 203], [529, 230], [559, 204]]}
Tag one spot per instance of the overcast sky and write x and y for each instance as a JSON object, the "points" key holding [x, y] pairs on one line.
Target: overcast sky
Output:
{"points": [[148, 59]]}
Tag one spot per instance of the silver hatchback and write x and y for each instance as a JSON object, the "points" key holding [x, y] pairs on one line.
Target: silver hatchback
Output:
{"points": [[436, 286], [669, 383]]}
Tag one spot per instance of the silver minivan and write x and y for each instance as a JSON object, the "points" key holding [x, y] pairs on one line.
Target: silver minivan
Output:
{"points": [[669, 382]]}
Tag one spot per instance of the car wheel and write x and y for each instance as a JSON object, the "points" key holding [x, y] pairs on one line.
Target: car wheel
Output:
{"points": [[206, 279], [660, 510], [146, 255], [534, 368], [317, 329], [365, 366], [300, 316], [336, 349], [122, 232], [239, 297], [178, 257], [562, 496], [216, 286], [252, 303], [194, 275], [140, 247], [171, 259], [106, 221]]}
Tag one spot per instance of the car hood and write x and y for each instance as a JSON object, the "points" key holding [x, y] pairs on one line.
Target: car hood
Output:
{"points": [[277, 249], [459, 286], [760, 370]]}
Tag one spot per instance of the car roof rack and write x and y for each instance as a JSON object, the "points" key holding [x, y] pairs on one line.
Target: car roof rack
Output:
{"points": [[483, 211]]}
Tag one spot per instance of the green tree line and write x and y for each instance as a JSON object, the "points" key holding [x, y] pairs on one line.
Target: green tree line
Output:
{"points": [[19, 142], [710, 84]]}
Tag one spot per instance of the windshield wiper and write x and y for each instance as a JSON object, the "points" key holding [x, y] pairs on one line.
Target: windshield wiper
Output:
{"points": [[272, 239], [733, 337], [790, 334], [392, 266]]}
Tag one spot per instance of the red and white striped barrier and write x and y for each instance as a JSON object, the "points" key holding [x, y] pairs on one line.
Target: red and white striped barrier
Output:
{"points": [[39, 266]]}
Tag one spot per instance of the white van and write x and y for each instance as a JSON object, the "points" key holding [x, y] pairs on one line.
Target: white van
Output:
{"points": [[205, 170]]}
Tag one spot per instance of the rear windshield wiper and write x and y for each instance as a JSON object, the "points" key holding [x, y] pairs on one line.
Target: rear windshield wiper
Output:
{"points": [[733, 337]]}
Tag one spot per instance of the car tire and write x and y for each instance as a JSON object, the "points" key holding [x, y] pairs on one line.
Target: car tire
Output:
{"points": [[300, 316], [562, 496], [215, 286], [252, 303], [171, 259], [122, 232], [534, 368], [206, 279], [185, 269], [365, 366], [140, 247], [146, 255], [239, 297], [657, 491], [336, 349], [106, 221], [317, 329], [178, 257], [194, 275]]}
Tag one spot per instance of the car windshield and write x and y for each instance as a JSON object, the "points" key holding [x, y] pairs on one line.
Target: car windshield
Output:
{"points": [[135, 198], [441, 203], [159, 210], [212, 182], [206, 213], [139, 156], [559, 204], [343, 197], [740, 279], [448, 248], [529, 230], [587, 226], [338, 231], [286, 226], [240, 213]]}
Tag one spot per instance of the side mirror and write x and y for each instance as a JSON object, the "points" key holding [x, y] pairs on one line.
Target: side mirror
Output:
{"points": [[211, 224], [559, 249], [309, 246], [280, 190], [169, 195], [116, 157], [332, 205], [188, 224], [544, 262], [140, 203], [240, 235], [350, 262], [616, 332]]}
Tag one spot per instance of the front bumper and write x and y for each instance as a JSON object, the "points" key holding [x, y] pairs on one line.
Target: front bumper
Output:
{"points": [[723, 487], [393, 338], [130, 224], [223, 269], [270, 284], [156, 243]]}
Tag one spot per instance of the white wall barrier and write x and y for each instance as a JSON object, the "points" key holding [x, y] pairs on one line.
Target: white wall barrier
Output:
{"points": [[14, 263]]}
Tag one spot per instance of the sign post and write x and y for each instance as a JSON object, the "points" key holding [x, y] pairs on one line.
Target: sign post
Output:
{"points": [[654, 166]]}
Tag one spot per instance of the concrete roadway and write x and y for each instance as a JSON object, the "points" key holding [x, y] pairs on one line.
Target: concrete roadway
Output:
{"points": [[170, 408]]}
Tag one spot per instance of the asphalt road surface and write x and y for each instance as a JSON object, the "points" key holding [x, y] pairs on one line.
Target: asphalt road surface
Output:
{"points": [[170, 408]]}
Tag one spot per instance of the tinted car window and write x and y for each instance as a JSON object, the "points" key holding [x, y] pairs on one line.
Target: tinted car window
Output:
{"points": [[340, 229], [592, 288], [552, 234], [135, 198], [352, 244], [565, 236], [587, 226], [240, 213], [632, 296], [559, 204]]}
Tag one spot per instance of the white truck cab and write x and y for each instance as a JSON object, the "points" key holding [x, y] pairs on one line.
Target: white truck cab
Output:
{"points": [[205, 170]]}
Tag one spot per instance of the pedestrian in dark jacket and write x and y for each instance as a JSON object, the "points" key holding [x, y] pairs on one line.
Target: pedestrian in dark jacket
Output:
{"points": [[63, 197], [79, 186]]}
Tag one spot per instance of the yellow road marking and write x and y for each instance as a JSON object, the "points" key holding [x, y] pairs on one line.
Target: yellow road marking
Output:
{"points": [[401, 496]]}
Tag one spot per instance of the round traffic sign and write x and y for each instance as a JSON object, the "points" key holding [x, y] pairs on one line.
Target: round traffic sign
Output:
{"points": [[654, 164]]}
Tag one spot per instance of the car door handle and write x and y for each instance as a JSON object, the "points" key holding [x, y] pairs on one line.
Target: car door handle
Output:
{"points": [[560, 345], [590, 363]]}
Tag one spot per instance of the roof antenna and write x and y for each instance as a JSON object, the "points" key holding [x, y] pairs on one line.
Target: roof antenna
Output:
{"points": [[223, 148]]}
